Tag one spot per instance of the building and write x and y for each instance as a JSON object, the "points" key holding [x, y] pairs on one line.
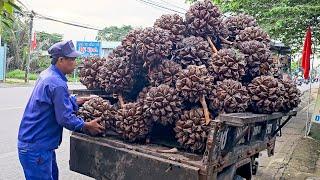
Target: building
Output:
{"points": [[108, 46], [281, 58]]}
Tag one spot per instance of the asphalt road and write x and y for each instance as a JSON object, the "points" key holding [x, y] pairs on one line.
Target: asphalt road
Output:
{"points": [[12, 104], [13, 101]]}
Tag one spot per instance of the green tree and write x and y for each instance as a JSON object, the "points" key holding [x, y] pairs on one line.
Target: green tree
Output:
{"points": [[113, 33], [16, 38], [294, 65], [7, 8], [284, 20], [40, 61], [46, 39]]}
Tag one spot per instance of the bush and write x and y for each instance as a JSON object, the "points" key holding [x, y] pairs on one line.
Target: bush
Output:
{"points": [[39, 64], [19, 74]]}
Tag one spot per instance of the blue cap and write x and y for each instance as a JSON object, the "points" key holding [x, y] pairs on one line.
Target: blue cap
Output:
{"points": [[63, 49]]}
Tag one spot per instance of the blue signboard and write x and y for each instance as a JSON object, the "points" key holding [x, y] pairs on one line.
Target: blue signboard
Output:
{"points": [[2, 63], [316, 112], [89, 48]]}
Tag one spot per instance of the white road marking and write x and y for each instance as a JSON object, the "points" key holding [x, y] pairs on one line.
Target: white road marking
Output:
{"points": [[10, 108]]}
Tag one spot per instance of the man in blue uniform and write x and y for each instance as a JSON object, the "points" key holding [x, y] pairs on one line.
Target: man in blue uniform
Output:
{"points": [[49, 109]]}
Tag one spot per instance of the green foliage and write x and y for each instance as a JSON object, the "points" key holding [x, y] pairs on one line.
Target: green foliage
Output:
{"points": [[284, 20], [16, 39], [7, 8], [39, 63], [48, 39], [19, 74], [113, 33], [71, 78], [294, 65]]}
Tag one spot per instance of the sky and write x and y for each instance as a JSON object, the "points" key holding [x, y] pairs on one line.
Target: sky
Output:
{"points": [[97, 13]]}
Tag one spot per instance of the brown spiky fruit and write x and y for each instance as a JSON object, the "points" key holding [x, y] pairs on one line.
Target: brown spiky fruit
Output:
{"points": [[228, 64], [98, 108], [254, 33], [203, 18], [194, 83], [275, 70], [192, 131], [128, 46], [192, 51], [116, 76], [291, 95], [120, 52], [162, 104], [142, 95], [88, 72], [165, 73], [229, 96], [128, 50], [237, 23], [130, 123], [267, 94], [258, 57], [173, 23], [154, 45]]}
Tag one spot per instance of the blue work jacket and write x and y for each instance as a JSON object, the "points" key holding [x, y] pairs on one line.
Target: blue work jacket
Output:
{"points": [[49, 109]]}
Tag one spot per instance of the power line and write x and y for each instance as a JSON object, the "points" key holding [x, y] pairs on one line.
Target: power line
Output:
{"points": [[155, 7], [39, 16], [45, 17], [163, 4], [22, 4], [159, 6], [173, 5]]}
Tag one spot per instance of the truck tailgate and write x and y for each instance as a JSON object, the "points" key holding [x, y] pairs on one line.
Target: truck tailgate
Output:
{"points": [[103, 160]]}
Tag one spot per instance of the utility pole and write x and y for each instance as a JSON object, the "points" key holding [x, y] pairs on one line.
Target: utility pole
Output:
{"points": [[26, 76], [314, 24]]}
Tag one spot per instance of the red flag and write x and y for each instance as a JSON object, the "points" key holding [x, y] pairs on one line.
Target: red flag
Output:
{"points": [[306, 52], [34, 42]]}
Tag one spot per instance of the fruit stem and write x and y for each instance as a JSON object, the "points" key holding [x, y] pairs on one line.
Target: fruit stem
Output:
{"points": [[225, 41], [205, 109], [214, 49], [121, 101]]}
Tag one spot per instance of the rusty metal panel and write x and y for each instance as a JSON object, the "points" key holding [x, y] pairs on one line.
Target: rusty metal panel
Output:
{"points": [[239, 119], [102, 161], [86, 92]]}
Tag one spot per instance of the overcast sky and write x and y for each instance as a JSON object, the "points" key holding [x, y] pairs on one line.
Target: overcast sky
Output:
{"points": [[97, 13]]}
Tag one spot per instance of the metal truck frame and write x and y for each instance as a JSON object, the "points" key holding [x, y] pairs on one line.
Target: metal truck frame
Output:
{"points": [[232, 146]]}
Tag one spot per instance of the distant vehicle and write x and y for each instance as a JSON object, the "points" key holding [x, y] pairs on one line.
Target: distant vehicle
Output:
{"points": [[315, 79], [306, 81], [299, 81]]}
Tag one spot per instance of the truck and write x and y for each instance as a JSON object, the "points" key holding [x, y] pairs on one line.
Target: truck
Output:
{"points": [[232, 148]]}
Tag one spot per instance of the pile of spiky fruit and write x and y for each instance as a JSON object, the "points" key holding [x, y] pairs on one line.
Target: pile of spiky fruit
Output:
{"points": [[177, 74]]}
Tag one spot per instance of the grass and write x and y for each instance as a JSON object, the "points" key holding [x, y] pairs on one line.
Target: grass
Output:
{"points": [[19, 74], [71, 79], [18, 82]]}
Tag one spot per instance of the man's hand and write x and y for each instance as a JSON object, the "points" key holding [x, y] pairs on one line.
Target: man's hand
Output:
{"points": [[81, 100], [94, 127]]}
